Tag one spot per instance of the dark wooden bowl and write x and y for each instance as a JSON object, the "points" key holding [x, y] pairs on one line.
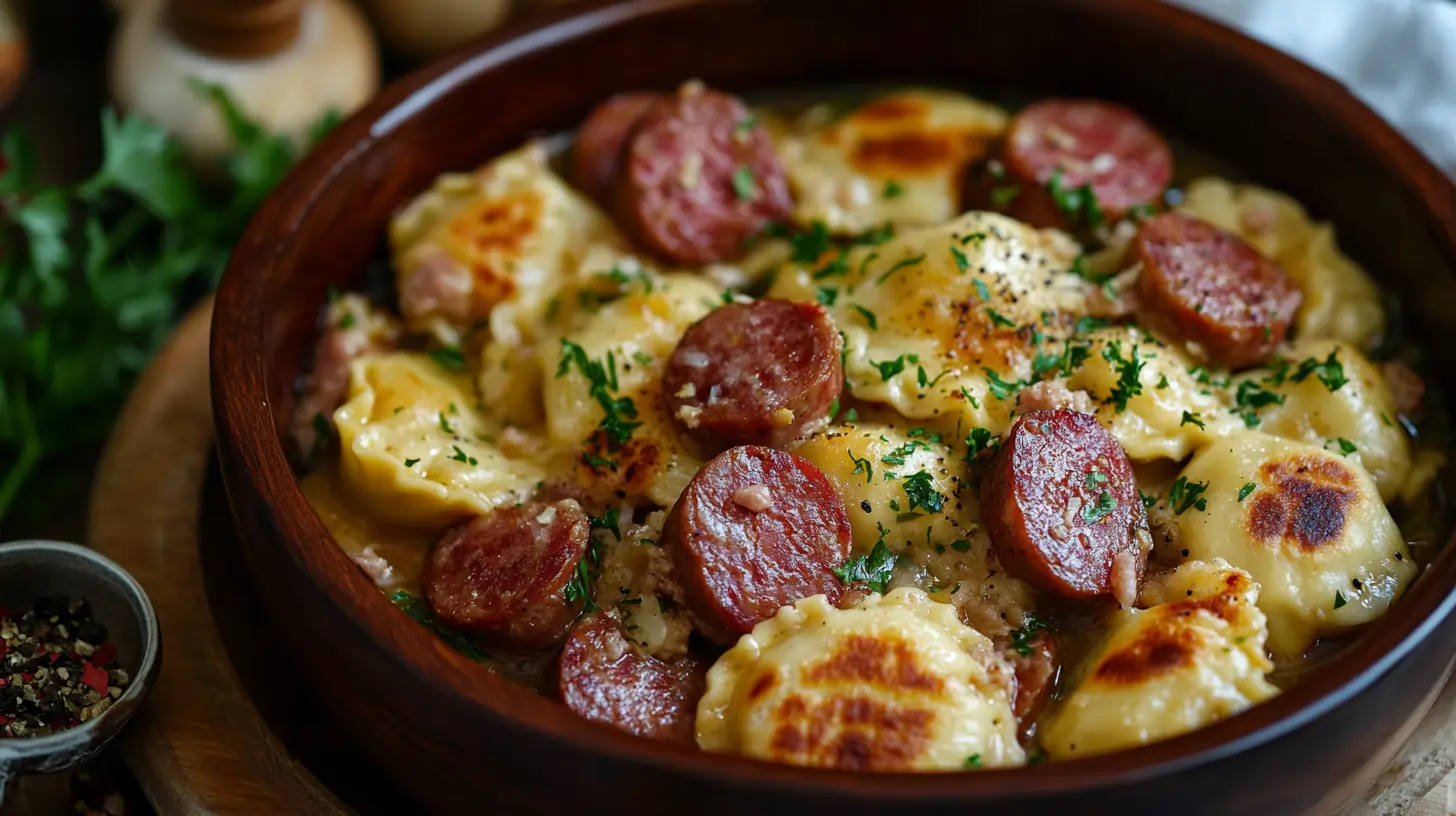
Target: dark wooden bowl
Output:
{"points": [[459, 738]]}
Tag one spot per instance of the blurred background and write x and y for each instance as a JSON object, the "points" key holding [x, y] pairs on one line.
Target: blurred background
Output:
{"points": [[163, 123]]}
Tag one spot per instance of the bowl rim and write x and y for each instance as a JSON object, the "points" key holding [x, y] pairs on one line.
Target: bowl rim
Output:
{"points": [[242, 412], [105, 726]]}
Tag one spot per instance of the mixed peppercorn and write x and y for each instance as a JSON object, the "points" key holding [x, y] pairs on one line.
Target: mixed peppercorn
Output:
{"points": [[57, 668]]}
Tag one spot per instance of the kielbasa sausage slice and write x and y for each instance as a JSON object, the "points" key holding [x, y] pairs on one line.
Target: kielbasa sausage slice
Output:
{"points": [[1060, 505], [601, 678], [756, 529], [503, 576], [761, 373], [1105, 146], [700, 178], [597, 157], [1203, 285], [1034, 663]]}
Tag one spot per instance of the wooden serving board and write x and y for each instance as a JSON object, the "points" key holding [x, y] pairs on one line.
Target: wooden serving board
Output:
{"points": [[225, 731]]}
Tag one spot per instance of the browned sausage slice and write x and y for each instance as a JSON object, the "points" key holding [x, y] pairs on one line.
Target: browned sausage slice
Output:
{"points": [[756, 529], [700, 178], [596, 159], [761, 373], [1202, 285], [601, 678], [1123, 159], [503, 576], [1060, 504]]}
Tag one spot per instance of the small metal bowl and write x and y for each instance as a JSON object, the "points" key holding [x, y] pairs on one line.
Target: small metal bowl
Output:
{"points": [[30, 570]]}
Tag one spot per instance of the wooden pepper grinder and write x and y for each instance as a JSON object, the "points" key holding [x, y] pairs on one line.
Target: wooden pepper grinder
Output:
{"points": [[285, 62]]}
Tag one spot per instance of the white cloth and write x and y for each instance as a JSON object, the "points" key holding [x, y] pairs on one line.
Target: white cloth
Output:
{"points": [[1399, 56]]}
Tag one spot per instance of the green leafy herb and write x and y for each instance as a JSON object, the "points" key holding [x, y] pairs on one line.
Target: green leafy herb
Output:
{"points": [[869, 316], [864, 466], [1129, 375], [460, 456], [1001, 389], [961, 545], [1249, 487], [827, 295], [920, 490], [973, 762], [1001, 196], [969, 397], [1021, 639], [1330, 372], [617, 412], [419, 610], [872, 570], [893, 189], [979, 440], [745, 186], [609, 521], [999, 320], [1250, 397], [1346, 446], [93, 276], [449, 357], [1339, 599], [1088, 323], [972, 236], [963, 264], [1100, 509], [1191, 419], [897, 267], [579, 588], [1079, 204], [925, 381], [1185, 495], [890, 368]]}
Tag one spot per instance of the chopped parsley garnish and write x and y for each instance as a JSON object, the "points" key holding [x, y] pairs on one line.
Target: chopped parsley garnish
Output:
{"points": [[579, 588], [1185, 495], [1339, 599], [890, 368], [1250, 397], [809, 246], [449, 358], [1078, 204], [827, 295], [445, 424], [1249, 487], [981, 290], [921, 492], [610, 521], [1129, 374], [1094, 479], [1329, 372], [893, 189], [1191, 419], [617, 412], [1062, 365], [979, 440], [461, 457], [411, 462], [970, 398], [869, 316], [1022, 638], [925, 381], [1000, 389], [1088, 323], [1162, 381], [864, 466], [1001, 196], [1346, 446], [974, 236], [973, 762], [419, 609], [1148, 500], [962, 263], [641, 359], [961, 545], [999, 320], [597, 462], [347, 321], [897, 267], [872, 570], [1100, 509], [744, 184]]}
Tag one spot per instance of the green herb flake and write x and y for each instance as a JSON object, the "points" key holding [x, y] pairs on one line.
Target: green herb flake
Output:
{"points": [[1330, 372], [972, 762], [618, 413], [418, 609], [998, 320], [1191, 419], [1346, 446], [869, 316], [920, 490], [961, 545], [873, 570], [827, 295], [745, 186], [862, 465], [1021, 639], [1102, 508], [903, 263], [890, 368], [449, 357], [1079, 205], [1185, 495], [963, 264], [978, 440], [893, 190], [1339, 599], [1248, 488], [1001, 196]]}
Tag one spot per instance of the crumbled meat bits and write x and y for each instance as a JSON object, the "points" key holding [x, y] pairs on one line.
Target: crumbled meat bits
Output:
{"points": [[59, 670]]}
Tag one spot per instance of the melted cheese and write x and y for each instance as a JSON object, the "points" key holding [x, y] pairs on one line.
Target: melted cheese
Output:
{"points": [[1341, 302], [496, 245], [1360, 411], [896, 683], [1311, 530], [1195, 657], [415, 451], [948, 304], [901, 159]]}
